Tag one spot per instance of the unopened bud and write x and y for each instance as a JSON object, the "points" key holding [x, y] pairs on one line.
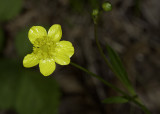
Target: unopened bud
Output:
{"points": [[95, 12], [107, 6]]}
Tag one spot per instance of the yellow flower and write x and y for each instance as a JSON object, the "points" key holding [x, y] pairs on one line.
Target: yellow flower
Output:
{"points": [[48, 49]]}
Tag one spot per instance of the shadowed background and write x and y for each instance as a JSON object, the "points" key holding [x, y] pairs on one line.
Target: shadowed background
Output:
{"points": [[132, 29]]}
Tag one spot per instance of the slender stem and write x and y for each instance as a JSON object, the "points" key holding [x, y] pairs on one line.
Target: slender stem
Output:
{"points": [[98, 77], [101, 50], [107, 62], [99, 47], [143, 107], [111, 86]]}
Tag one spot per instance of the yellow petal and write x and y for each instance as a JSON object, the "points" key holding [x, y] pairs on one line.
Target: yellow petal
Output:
{"points": [[47, 66], [65, 47], [30, 60], [36, 32], [62, 59], [55, 32]]}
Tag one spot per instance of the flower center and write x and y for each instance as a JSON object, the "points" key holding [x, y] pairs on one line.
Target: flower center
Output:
{"points": [[44, 48]]}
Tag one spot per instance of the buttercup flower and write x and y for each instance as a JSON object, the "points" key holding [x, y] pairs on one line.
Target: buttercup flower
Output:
{"points": [[48, 49]]}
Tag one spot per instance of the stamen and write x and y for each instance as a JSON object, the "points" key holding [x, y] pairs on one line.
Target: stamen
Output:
{"points": [[44, 48]]}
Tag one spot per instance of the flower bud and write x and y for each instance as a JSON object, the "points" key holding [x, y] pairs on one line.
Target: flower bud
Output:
{"points": [[95, 12], [107, 6]]}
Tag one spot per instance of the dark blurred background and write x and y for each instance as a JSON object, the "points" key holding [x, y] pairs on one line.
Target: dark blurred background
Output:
{"points": [[132, 29]]}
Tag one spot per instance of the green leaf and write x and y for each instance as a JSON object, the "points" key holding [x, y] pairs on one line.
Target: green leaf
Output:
{"points": [[22, 43], [119, 69], [28, 92], [118, 99], [37, 94], [9, 9], [1, 39], [8, 83]]}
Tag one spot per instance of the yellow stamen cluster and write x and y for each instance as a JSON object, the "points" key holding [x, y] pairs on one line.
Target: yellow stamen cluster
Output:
{"points": [[44, 48]]}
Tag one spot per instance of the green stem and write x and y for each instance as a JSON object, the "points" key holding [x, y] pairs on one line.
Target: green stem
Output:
{"points": [[111, 86], [143, 107], [101, 50], [107, 62], [99, 47], [99, 78]]}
